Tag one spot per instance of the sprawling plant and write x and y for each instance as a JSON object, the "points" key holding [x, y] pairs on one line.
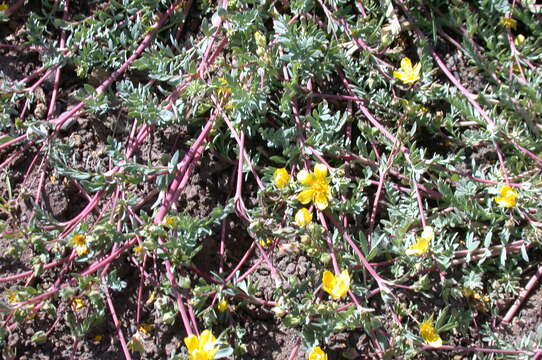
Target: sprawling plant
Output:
{"points": [[394, 144]]}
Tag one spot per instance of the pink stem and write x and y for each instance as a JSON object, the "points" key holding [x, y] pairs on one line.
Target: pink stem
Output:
{"points": [[370, 116], [222, 246], [173, 193], [52, 104], [470, 96], [381, 282], [295, 350], [30, 272], [242, 262], [474, 349], [13, 141], [420, 203], [116, 321], [238, 140], [329, 243], [521, 298]]}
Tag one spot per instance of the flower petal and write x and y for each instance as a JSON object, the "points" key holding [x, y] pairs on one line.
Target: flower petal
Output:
{"points": [[437, 342], [413, 250], [406, 64], [320, 171], [505, 201], [416, 70], [504, 190], [304, 177], [206, 338], [342, 284], [81, 250], [191, 342], [344, 276], [320, 200], [303, 217], [281, 177], [398, 75], [222, 305], [428, 233], [305, 196], [328, 281], [199, 355], [317, 354], [419, 248]]}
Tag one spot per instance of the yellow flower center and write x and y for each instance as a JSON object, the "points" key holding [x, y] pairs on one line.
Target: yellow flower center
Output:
{"points": [[78, 304], [508, 197], [422, 243], [408, 74], [320, 186], [79, 240], [509, 22], [145, 329], [336, 285], [316, 187], [169, 221], [11, 296], [97, 338]]}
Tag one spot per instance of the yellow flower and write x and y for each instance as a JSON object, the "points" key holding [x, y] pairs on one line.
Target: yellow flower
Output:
{"points": [[136, 343], [261, 50], [260, 39], [3, 7], [317, 187], [303, 217], [223, 89], [422, 243], [97, 338], [509, 23], [520, 39], [429, 334], [201, 347], [145, 328], [137, 249], [478, 299], [281, 177], [11, 296], [317, 354], [78, 241], [265, 243], [78, 304], [508, 197], [222, 305], [467, 292], [151, 298], [336, 285], [408, 74], [169, 221]]}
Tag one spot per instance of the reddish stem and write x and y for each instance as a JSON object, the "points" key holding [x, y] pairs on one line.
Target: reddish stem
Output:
{"points": [[522, 297], [380, 281], [116, 320]]}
